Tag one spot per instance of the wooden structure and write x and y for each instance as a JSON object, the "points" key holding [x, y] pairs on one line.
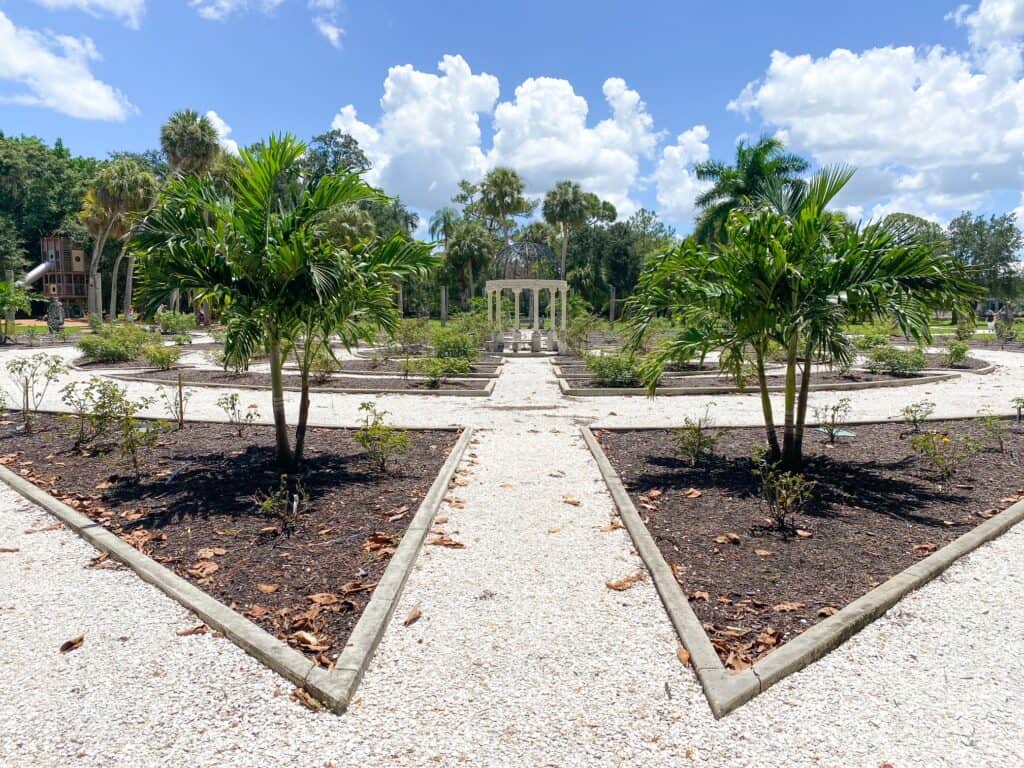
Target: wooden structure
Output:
{"points": [[67, 274]]}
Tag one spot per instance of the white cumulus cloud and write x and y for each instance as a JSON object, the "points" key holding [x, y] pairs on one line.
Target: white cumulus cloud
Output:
{"points": [[223, 133], [130, 11], [677, 185], [54, 72]]}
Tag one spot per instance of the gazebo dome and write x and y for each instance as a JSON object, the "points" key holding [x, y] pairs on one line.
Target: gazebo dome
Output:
{"points": [[525, 260]]}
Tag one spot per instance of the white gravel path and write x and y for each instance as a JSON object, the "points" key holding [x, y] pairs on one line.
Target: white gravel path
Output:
{"points": [[522, 656]]}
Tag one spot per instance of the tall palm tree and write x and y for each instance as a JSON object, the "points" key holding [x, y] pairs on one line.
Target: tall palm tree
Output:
{"points": [[468, 253], [259, 252], [190, 142], [565, 207], [120, 186], [756, 168], [502, 198], [791, 273], [442, 223], [137, 204]]}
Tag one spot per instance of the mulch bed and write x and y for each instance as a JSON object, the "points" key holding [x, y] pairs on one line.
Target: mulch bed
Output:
{"points": [[877, 508], [394, 365], [969, 364], [194, 512], [728, 382], [249, 378]]}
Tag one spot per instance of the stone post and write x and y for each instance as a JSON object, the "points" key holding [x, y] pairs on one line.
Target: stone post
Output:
{"points": [[552, 320], [444, 307], [515, 324], [535, 336], [565, 300]]}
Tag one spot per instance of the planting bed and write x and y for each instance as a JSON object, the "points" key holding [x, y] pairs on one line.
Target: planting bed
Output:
{"points": [[307, 580], [252, 379], [877, 508], [669, 381]]}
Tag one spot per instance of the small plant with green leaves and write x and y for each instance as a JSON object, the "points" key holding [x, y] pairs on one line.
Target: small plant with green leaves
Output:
{"points": [[946, 453], [161, 357], [95, 406], [136, 438], [994, 429], [412, 335], [33, 376], [175, 323], [436, 370], [181, 339], [832, 418], [174, 400], [95, 321], [783, 494], [872, 340], [237, 418], [282, 504], [618, 370], [1018, 403], [116, 343], [696, 439], [1005, 332], [896, 362], [918, 413], [956, 354], [33, 334], [381, 441], [322, 365], [451, 342], [577, 335], [965, 327]]}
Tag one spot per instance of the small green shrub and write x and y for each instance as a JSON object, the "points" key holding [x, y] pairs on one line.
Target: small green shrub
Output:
{"points": [[436, 370], [896, 362], [451, 342], [116, 343], [783, 494], [965, 327], [175, 323], [620, 370], [577, 336], [95, 321], [381, 441], [1005, 332], [945, 453], [181, 339], [33, 376], [872, 340], [236, 417], [282, 504], [832, 418], [96, 406], [918, 413], [174, 400], [994, 429], [33, 334], [1018, 403], [134, 437], [956, 353], [159, 356], [413, 335], [696, 439]]}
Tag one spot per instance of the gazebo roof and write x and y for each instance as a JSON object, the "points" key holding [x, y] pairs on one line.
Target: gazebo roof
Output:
{"points": [[525, 260]]}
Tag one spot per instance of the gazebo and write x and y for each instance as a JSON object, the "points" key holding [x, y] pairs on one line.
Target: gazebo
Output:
{"points": [[540, 338]]}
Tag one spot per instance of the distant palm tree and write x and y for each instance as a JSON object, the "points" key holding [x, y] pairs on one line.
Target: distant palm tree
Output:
{"points": [[502, 198], [136, 205], [758, 167], [565, 207], [442, 223], [190, 142]]}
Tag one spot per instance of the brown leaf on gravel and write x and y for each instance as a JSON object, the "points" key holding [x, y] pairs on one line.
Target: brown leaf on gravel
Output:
{"points": [[305, 699], [683, 655], [204, 569], [200, 629], [728, 538], [614, 525], [828, 610], [570, 500], [9, 550], [440, 520], [413, 617], [446, 541], [54, 527], [267, 589], [626, 581], [787, 607], [73, 644]]}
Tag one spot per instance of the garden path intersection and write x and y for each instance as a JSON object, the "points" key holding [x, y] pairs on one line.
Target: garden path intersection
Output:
{"points": [[522, 657]]}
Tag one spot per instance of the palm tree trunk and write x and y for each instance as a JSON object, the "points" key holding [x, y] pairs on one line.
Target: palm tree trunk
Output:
{"points": [[300, 428], [789, 459], [766, 408], [801, 406], [113, 281], [128, 280], [95, 297], [284, 452]]}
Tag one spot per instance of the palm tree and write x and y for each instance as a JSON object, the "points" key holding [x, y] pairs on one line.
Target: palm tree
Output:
{"points": [[442, 223], [502, 198], [259, 252], [136, 205], [468, 253], [757, 167], [190, 142], [791, 273], [565, 207]]}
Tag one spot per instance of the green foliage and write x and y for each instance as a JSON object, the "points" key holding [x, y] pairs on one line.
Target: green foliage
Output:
{"points": [[413, 335], [135, 438], [283, 503], [1005, 332], [181, 339], [896, 362], [619, 370], [956, 353], [94, 405], [994, 429], [832, 418], [174, 400], [577, 336], [33, 376], [965, 326], [989, 247], [918, 413], [452, 342], [944, 452], [381, 441], [240, 420], [871, 341], [12, 299], [175, 323], [696, 439], [33, 334], [116, 343], [783, 494], [160, 356], [1018, 403], [437, 369]]}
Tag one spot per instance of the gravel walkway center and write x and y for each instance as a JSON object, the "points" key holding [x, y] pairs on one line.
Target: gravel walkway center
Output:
{"points": [[522, 656]]}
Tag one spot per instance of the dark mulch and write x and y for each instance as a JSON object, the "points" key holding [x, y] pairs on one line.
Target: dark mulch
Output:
{"points": [[86, 364], [877, 509], [969, 364], [249, 378], [394, 365], [196, 494], [728, 382]]}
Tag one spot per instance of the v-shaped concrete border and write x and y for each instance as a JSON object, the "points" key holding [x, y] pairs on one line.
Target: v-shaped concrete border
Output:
{"points": [[725, 690], [333, 688]]}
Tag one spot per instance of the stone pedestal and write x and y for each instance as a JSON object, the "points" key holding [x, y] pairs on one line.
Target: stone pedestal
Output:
{"points": [[535, 341]]}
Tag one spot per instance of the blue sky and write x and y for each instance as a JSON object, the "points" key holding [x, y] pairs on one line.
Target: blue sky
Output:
{"points": [[927, 98]]}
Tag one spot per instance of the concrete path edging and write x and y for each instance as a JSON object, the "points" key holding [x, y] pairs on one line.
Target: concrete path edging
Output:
{"points": [[725, 690], [332, 688]]}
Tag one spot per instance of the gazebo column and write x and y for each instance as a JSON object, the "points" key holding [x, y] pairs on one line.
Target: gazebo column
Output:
{"points": [[565, 300], [515, 324], [552, 320], [535, 336]]}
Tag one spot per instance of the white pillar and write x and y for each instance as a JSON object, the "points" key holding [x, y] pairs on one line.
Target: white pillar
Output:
{"points": [[490, 313], [536, 309], [565, 301], [516, 291]]}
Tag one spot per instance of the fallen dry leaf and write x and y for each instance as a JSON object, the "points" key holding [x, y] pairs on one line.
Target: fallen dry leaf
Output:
{"points": [[267, 589], [9, 550], [728, 538], [199, 629], [803, 534], [204, 569], [570, 500], [652, 495], [257, 612], [308, 641], [305, 699], [701, 595], [683, 655], [828, 610], [692, 493], [441, 521], [787, 607], [446, 541], [208, 553], [380, 542], [554, 530], [351, 587], [72, 644], [626, 581], [413, 617], [925, 548], [324, 598], [763, 552]]}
